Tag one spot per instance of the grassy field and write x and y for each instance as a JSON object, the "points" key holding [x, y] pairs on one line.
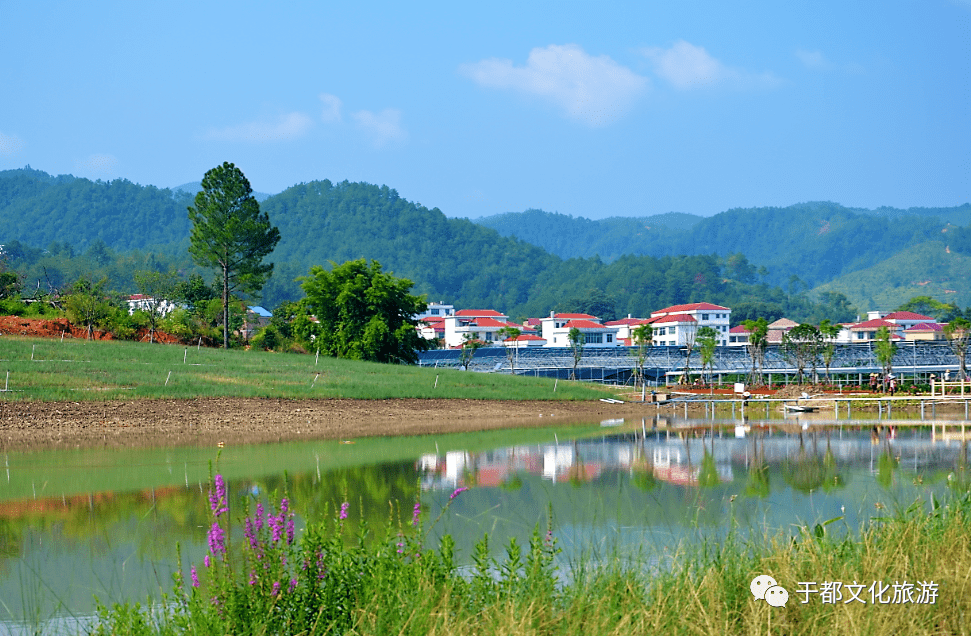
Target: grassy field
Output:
{"points": [[50, 369]]}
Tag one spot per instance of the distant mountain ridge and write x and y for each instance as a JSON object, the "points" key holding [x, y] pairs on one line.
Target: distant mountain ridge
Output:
{"points": [[196, 186]]}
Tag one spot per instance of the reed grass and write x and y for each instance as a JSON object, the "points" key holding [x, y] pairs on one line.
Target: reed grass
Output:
{"points": [[325, 583], [51, 370]]}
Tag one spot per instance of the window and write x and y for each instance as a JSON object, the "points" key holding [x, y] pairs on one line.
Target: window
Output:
{"points": [[661, 331], [610, 337], [434, 312], [593, 338], [704, 316]]}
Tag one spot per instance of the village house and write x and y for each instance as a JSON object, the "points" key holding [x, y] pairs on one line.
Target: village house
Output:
{"points": [[480, 324], [626, 326], [556, 330], [678, 330]]}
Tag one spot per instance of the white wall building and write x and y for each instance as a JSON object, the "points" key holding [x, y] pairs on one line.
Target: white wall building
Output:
{"points": [[481, 324], [702, 315], [437, 310], [556, 330]]}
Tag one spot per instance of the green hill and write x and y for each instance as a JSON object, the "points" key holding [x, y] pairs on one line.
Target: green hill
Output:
{"points": [[929, 269]]}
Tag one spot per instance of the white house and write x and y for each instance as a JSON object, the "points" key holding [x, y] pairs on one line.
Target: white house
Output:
{"points": [[481, 324], [140, 302], [437, 310], [625, 326], [674, 330], [556, 330], [701, 314]]}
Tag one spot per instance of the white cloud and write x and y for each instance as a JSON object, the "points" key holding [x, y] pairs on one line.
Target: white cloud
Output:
{"points": [[812, 59], [332, 108], [97, 165], [687, 66], [288, 127], [383, 127], [10, 145], [594, 90]]}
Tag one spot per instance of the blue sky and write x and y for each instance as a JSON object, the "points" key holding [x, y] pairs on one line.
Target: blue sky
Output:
{"points": [[481, 108]]}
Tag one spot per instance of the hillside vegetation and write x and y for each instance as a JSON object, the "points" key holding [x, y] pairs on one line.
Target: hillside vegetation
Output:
{"points": [[55, 229]]}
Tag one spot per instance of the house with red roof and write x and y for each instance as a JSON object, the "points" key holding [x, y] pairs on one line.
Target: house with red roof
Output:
{"points": [[925, 331], [481, 324], [556, 330], [701, 314], [866, 331], [626, 325]]}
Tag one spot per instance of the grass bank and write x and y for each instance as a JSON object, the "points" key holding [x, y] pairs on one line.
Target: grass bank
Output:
{"points": [[907, 573], [52, 370]]}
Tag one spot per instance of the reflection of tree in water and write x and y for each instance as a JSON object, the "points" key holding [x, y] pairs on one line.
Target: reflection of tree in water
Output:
{"points": [[807, 471], [757, 484], [960, 479], [708, 475], [886, 466]]}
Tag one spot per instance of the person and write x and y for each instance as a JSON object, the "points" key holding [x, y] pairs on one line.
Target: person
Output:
{"points": [[873, 382], [893, 385]]}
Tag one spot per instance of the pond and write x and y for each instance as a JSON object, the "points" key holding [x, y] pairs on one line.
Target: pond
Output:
{"points": [[75, 524]]}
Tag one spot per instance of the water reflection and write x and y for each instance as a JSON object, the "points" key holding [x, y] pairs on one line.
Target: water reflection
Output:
{"points": [[637, 488]]}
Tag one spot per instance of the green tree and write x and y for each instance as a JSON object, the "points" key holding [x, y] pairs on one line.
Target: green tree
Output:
{"points": [[364, 313], [758, 343], [87, 304], [160, 291], [958, 333], [885, 350], [801, 346], [643, 337], [508, 335], [470, 344], [707, 342], [575, 338], [230, 234], [828, 332]]}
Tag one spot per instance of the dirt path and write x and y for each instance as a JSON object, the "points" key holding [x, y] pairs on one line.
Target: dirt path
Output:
{"points": [[25, 425]]}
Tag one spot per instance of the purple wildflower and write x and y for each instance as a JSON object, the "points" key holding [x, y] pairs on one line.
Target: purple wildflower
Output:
{"points": [[217, 499], [321, 568], [415, 514], [250, 533], [276, 527], [217, 539], [293, 584], [276, 588], [457, 492], [207, 561], [259, 517], [195, 577], [290, 530], [252, 577], [284, 506], [343, 514]]}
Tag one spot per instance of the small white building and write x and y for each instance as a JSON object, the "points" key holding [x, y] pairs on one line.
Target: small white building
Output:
{"points": [[625, 326], [141, 302], [701, 314], [556, 330]]}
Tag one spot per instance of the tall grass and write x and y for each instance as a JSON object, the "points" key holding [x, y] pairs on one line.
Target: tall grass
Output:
{"points": [[324, 582], [49, 369]]}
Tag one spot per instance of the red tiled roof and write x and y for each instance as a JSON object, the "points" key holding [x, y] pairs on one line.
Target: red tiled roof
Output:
{"points": [[535, 322], [478, 312], [524, 337], [691, 307], [876, 323], [584, 324], [578, 316], [927, 326], [674, 318], [739, 329], [489, 322], [908, 315], [627, 321]]}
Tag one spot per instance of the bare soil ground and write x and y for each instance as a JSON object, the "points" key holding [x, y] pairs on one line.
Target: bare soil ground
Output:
{"points": [[26, 425]]}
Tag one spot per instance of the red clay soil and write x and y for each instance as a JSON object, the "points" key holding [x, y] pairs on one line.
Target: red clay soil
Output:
{"points": [[39, 328]]}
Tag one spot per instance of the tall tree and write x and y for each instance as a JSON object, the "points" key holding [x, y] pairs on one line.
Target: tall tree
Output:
{"points": [[508, 335], [828, 333], [231, 235], [885, 349], [958, 333], [758, 343], [643, 337], [576, 339], [470, 344], [801, 346], [707, 341], [364, 313]]}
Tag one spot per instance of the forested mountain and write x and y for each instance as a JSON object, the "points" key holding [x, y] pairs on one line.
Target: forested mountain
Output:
{"points": [[38, 209], [610, 238], [55, 228], [816, 242]]}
